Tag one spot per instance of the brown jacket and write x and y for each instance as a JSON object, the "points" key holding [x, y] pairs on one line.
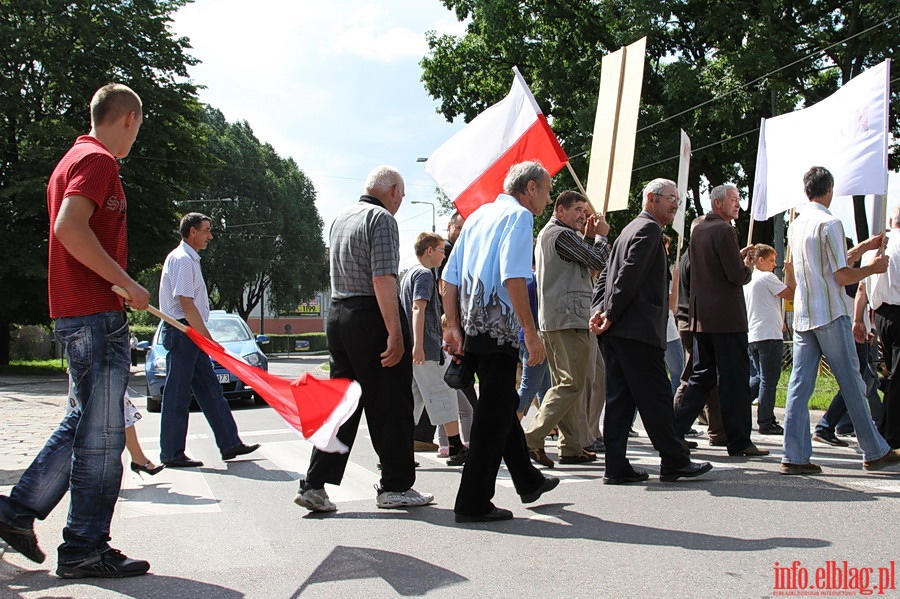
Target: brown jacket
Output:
{"points": [[718, 274]]}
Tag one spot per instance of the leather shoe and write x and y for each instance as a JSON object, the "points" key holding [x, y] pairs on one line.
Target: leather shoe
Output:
{"points": [[716, 442], [582, 458], [749, 451], [550, 483], [637, 475], [688, 445], [808, 468], [689, 471], [539, 456], [772, 429], [241, 449], [184, 462], [889, 459], [494, 515]]}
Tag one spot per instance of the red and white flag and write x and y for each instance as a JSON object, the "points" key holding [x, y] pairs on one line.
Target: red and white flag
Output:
{"points": [[314, 407], [470, 166]]}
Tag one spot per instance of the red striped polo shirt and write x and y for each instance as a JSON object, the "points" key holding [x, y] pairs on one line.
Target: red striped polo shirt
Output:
{"points": [[88, 169]]}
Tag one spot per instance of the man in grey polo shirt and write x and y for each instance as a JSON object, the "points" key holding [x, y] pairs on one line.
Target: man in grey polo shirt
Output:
{"points": [[369, 340], [182, 295]]}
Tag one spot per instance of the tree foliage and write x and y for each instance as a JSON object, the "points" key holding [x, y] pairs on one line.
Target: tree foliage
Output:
{"points": [[713, 69], [267, 230], [55, 55]]}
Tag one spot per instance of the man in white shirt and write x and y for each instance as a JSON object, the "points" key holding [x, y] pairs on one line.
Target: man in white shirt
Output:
{"points": [[763, 295], [182, 295], [822, 328], [884, 296]]}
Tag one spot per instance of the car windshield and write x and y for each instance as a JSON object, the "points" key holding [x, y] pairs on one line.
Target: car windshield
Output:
{"points": [[227, 330]]}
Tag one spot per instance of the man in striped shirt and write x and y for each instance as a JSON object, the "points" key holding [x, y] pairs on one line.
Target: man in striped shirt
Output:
{"points": [[822, 327]]}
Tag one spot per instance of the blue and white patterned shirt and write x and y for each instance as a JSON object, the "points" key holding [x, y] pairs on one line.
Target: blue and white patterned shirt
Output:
{"points": [[181, 275], [819, 250], [495, 245]]}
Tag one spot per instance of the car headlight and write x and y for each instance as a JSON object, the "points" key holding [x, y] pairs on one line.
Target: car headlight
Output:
{"points": [[159, 367], [253, 359]]}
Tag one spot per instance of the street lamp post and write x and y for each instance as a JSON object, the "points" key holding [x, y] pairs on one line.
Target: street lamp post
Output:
{"points": [[433, 213]]}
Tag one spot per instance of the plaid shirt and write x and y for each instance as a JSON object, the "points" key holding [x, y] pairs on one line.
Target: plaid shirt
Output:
{"points": [[365, 243]]}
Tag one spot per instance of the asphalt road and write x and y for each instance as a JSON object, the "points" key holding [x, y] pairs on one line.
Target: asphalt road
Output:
{"points": [[231, 530]]}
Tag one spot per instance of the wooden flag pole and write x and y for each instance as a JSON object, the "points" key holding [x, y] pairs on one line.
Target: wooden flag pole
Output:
{"points": [[154, 311], [750, 232], [580, 186]]}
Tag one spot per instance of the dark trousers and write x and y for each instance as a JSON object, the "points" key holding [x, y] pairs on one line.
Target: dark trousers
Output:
{"points": [[636, 378], [496, 434], [720, 358], [715, 428], [887, 319], [837, 417], [356, 338]]}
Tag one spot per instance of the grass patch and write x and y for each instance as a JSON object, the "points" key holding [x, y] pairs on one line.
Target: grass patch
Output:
{"points": [[34, 367], [826, 387]]}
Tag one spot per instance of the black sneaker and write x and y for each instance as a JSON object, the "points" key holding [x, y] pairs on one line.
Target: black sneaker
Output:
{"points": [[109, 564], [22, 540]]}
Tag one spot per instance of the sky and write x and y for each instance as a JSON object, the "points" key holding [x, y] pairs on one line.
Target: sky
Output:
{"points": [[337, 87], [333, 85]]}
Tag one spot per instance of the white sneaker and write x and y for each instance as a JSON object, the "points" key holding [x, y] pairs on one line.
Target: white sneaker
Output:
{"points": [[408, 498], [315, 500]]}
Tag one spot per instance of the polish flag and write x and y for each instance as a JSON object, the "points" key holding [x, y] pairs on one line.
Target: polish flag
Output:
{"points": [[314, 407], [470, 166]]}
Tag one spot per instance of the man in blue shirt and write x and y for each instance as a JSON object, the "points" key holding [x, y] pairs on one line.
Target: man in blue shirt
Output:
{"points": [[485, 300]]}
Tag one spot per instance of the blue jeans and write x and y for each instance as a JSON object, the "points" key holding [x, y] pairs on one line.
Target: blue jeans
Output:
{"points": [[535, 380], [190, 370], [765, 370], [836, 417], [835, 341], [84, 454], [675, 363]]}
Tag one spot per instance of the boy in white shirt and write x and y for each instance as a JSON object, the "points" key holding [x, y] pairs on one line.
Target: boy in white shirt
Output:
{"points": [[763, 295]]}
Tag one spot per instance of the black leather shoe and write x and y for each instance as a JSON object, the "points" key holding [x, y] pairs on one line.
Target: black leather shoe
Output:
{"points": [[688, 445], [242, 449], [494, 515], [22, 540], [550, 483], [689, 471], [637, 475], [183, 463], [772, 429]]}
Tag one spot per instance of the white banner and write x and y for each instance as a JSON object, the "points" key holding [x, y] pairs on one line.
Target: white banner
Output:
{"points": [[684, 167], [847, 133]]}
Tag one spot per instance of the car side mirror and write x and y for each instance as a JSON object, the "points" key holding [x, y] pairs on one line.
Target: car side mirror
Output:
{"points": [[262, 339], [143, 345]]}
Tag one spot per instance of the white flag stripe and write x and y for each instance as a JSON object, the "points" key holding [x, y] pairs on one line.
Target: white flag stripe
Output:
{"points": [[466, 155]]}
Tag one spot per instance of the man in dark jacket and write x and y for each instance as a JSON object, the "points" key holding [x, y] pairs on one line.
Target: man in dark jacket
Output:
{"points": [[630, 313]]}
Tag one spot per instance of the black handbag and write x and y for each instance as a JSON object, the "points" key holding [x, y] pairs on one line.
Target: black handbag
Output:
{"points": [[458, 374]]}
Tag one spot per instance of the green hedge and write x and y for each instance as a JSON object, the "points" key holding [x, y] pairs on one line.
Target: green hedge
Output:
{"points": [[283, 344], [144, 332]]}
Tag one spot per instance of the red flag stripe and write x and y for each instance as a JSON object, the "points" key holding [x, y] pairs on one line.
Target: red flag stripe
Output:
{"points": [[537, 143]]}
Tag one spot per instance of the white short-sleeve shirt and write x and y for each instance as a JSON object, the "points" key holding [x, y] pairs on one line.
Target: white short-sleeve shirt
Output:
{"points": [[181, 276], [763, 306]]}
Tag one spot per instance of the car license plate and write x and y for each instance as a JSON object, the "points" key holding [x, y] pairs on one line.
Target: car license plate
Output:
{"points": [[224, 378]]}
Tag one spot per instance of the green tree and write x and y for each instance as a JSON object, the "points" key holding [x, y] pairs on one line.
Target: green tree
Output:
{"points": [[55, 54], [713, 69], [267, 230]]}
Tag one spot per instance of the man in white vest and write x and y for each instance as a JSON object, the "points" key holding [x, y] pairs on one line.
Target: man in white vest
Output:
{"points": [[570, 246]]}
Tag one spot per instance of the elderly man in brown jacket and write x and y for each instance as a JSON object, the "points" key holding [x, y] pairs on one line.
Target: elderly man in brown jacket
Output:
{"points": [[718, 319]]}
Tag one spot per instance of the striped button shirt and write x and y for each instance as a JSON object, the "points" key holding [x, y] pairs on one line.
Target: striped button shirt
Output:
{"points": [[819, 250]]}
